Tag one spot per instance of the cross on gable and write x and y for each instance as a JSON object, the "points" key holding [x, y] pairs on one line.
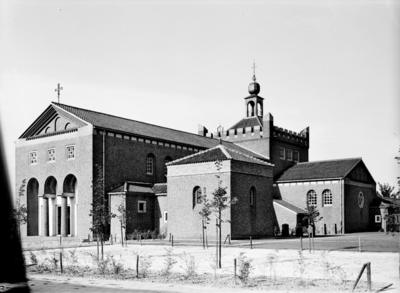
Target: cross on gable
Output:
{"points": [[58, 89]]}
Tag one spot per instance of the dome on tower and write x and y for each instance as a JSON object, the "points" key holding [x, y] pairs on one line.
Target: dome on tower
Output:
{"points": [[254, 88]]}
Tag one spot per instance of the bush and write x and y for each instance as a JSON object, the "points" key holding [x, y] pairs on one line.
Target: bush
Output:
{"points": [[168, 263], [245, 267], [144, 264], [190, 266]]}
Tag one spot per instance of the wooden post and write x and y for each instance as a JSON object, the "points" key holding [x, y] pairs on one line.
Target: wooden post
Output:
{"points": [[335, 228], [359, 276], [359, 244], [229, 239], [60, 240], [309, 242], [216, 241], [324, 229], [369, 276], [61, 266], [169, 237], [202, 229], [172, 240], [251, 243], [234, 270], [137, 266], [301, 243]]}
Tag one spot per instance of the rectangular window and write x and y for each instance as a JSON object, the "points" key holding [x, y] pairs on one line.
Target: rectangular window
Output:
{"points": [[51, 155], [70, 152], [165, 216], [378, 219], [289, 155], [282, 153], [141, 206], [33, 158], [296, 156]]}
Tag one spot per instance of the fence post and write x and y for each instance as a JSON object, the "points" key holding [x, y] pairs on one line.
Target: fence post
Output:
{"points": [[172, 240], [335, 228], [61, 265], [359, 276], [369, 276], [251, 243], [137, 266], [229, 239], [301, 243], [234, 270], [324, 229], [169, 237], [60, 240]]}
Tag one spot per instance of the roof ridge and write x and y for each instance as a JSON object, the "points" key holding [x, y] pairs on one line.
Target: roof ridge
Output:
{"points": [[192, 155], [110, 115], [246, 155], [247, 149], [334, 160]]}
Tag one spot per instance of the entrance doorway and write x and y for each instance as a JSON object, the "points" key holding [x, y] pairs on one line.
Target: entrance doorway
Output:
{"points": [[59, 220]]}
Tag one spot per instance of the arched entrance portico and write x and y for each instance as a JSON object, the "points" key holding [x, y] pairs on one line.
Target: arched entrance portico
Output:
{"points": [[69, 202], [32, 204], [48, 204]]}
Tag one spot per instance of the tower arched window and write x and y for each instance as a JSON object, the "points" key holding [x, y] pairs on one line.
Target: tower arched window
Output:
{"points": [[311, 198], [327, 197], [259, 110], [250, 109], [196, 196], [252, 195], [150, 162]]}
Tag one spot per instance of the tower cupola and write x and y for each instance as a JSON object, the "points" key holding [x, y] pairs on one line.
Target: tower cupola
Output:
{"points": [[254, 103]]}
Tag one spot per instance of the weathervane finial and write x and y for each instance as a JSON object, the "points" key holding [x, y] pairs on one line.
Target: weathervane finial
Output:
{"points": [[254, 70], [58, 89]]}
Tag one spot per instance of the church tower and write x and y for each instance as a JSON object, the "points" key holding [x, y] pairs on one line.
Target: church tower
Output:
{"points": [[254, 103]]}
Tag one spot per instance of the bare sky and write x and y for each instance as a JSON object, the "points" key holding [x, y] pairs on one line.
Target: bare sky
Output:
{"points": [[330, 65]]}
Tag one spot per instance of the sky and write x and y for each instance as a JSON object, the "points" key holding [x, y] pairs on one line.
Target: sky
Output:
{"points": [[331, 65]]}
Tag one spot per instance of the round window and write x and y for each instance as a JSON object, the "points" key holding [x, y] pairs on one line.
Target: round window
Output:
{"points": [[361, 200]]}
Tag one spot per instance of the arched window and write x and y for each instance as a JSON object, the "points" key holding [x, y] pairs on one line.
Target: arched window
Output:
{"points": [[327, 197], [166, 161], [250, 109], [259, 109], [311, 198], [196, 196], [56, 124], [150, 164], [67, 125], [252, 195], [47, 130]]}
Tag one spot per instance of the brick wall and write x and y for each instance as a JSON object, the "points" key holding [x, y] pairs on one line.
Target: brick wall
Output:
{"points": [[135, 219]]}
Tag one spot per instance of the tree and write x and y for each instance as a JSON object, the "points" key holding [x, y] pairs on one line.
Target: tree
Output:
{"points": [[205, 214], [122, 217], [219, 203], [313, 216], [100, 214], [19, 212], [385, 190]]}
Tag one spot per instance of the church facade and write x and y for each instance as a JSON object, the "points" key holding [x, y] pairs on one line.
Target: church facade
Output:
{"points": [[159, 174]]}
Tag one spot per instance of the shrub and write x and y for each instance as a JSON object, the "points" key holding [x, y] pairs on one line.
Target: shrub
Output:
{"points": [[169, 262], [245, 267], [190, 266], [117, 265], [145, 263]]}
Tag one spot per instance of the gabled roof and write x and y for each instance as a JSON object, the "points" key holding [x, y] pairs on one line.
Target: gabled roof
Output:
{"points": [[290, 206], [247, 122], [333, 169], [222, 153]]}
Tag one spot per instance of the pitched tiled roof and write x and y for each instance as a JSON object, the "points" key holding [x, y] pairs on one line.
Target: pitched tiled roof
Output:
{"points": [[160, 188], [247, 122], [222, 153], [290, 206], [125, 125], [318, 170]]}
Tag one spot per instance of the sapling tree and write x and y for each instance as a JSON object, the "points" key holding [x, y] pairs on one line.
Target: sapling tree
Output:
{"points": [[19, 212], [205, 214], [313, 216], [101, 216], [122, 217], [220, 202]]}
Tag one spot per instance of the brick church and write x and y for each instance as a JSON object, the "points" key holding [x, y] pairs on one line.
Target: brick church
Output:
{"points": [[160, 175]]}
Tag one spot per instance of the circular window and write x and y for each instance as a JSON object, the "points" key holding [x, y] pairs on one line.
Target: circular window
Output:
{"points": [[361, 200]]}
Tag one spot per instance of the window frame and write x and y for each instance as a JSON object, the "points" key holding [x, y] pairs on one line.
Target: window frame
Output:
{"points": [[67, 152], [252, 195], [378, 219], [313, 199], [298, 156], [165, 216], [143, 211], [30, 158], [327, 199], [197, 196], [152, 158], [49, 157], [282, 153], [289, 155]]}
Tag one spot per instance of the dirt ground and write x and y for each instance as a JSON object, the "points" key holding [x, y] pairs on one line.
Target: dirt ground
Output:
{"points": [[318, 265]]}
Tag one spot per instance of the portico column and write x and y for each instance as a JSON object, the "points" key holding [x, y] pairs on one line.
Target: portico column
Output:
{"points": [[45, 217], [64, 216]]}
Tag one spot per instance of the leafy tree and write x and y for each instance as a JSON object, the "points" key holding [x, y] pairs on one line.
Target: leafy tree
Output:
{"points": [[313, 216], [205, 214], [19, 212], [220, 202], [385, 190], [100, 214]]}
